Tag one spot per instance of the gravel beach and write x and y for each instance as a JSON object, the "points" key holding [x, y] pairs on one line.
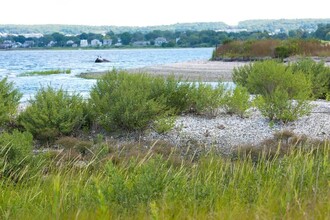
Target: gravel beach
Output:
{"points": [[226, 132]]}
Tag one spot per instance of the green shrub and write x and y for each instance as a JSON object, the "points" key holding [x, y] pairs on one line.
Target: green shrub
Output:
{"points": [[281, 94], [165, 124], [15, 152], [127, 101], [207, 100], [238, 101], [177, 95], [282, 52], [53, 113], [240, 74], [319, 74], [9, 101]]}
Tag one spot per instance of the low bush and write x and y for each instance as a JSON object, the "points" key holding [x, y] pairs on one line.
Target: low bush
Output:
{"points": [[319, 74], [9, 101], [281, 94], [126, 101], [164, 125], [206, 99], [238, 101], [15, 152], [52, 114], [240, 74]]}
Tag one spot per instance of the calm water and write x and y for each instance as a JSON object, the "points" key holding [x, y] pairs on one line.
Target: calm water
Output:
{"points": [[13, 63]]}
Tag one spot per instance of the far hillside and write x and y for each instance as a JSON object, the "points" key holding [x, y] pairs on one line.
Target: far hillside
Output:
{"points": [[273, 26]]}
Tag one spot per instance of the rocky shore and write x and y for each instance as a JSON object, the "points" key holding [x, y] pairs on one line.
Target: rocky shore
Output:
{"points": [[226, 131]]}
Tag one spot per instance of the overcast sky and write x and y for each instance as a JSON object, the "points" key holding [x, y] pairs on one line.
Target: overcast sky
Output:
{"points": [[147, 12]]}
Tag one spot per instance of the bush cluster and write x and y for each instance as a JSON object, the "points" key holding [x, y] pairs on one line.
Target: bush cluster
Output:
{"points": [[318, 73], [52, 114], [282, 92], [131, 102]]}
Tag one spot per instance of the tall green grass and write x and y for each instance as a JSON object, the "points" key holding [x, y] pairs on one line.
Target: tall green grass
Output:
{"points": [[291, 186]]}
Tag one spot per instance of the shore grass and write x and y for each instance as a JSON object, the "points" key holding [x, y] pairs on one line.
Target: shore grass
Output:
{"points": [[47, 72], [291, 186]]}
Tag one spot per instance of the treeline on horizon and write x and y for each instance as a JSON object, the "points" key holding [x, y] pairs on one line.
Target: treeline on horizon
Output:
{"points": [[206, 38], [268, 25]]}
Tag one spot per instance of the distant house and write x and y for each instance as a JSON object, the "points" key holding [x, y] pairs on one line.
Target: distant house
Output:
{"points": [[70, 42], [7, 44], [141, 43], [74, 45], [28, 43], [51, 44], [107, 42], [96, 43], [83, 43], [160, 40]]}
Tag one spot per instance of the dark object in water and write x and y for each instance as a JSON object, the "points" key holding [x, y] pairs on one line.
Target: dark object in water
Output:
{"points": [[101, 60]]}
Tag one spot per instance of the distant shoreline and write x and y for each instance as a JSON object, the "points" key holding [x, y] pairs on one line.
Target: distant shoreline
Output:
{"points": [[96, 48]]}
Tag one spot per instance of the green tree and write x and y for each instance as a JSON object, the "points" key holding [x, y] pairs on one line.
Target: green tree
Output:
{"points": [[126, 38]]}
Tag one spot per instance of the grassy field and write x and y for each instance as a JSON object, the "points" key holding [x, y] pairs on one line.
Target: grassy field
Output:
{"points": [[295, 185]]}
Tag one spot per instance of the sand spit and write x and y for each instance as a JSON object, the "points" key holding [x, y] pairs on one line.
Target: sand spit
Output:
{"points": [[207, 71]]}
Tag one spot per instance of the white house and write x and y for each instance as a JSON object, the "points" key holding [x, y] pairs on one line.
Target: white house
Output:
{"points": [[28, 43], [83, 43], [51, 44], [69, 42], [160, 40], [96, 43], [107, 42]]}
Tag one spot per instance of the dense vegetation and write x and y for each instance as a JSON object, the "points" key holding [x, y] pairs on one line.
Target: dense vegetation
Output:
{"points": [[317, 73], [154, 185], [269, 48], [88, 174]]}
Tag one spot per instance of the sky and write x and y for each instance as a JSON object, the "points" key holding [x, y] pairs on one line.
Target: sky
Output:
{"points": [[151, 12]]}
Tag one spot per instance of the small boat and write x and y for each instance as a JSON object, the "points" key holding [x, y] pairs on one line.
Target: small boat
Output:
{"points": [[101, 60]]}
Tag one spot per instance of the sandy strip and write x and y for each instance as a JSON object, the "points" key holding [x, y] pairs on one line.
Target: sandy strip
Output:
{"points": [[208, 71], [204, 70]]}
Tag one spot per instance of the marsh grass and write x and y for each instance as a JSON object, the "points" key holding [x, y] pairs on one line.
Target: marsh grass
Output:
{"points": [[294, 185], [47, 72]]}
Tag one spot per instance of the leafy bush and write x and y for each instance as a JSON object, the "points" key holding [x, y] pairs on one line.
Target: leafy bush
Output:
{"points": [[282, 94], [15, 152], [240, 74], [319, 74], [238, 101], [127, 101], [206, 100], [282, 52], [53, 113], [9, 101], [165, 124], [176, 94]]}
